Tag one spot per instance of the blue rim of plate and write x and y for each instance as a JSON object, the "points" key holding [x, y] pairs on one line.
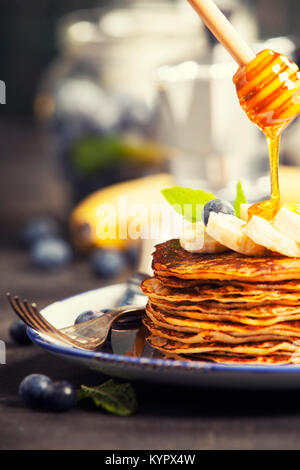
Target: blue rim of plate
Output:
{"points": [[155, 363]]}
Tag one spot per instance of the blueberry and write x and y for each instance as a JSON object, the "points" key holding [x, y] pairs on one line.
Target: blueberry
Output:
{"points": [[51, 254], [85, 316], [18, 333], [32, 389], [216, 205], [107, 263], [59, 396], [37, 229]]}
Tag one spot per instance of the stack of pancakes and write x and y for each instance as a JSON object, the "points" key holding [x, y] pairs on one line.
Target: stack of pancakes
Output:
{"points": [[225, 308]]}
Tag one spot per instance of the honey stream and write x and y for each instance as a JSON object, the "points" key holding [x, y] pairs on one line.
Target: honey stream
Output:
{"points": [[268, 209]]}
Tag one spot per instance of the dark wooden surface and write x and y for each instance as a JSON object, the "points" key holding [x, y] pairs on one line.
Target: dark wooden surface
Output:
{"points": [[168, 418]]}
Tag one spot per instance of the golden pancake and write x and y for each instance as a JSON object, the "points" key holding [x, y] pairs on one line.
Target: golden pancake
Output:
{"points": [[235, 329], [225, 308], [169, 259], [274, 359], [238, 317], [215, 308], [154, 289], [191, 335], [212, 306], [171, 281], [254, 349]]}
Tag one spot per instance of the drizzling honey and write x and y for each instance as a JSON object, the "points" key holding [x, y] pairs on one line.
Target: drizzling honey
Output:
{"points": [[268, 209], [268, 89]]}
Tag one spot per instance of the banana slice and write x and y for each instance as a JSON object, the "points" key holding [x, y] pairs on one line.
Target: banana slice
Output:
{"points": [[287, 222], [195, 240], [244, 211], [262, 232], [229, 231]]}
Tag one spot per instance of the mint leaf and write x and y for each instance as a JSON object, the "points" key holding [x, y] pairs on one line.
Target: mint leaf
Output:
{"points": [[240, 199], [187, 202], [114, 397]]}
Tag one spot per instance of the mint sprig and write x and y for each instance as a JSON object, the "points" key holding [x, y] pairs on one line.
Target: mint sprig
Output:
{"points": [[190, 202], [240, 199], [114, 397], [187, 202]]}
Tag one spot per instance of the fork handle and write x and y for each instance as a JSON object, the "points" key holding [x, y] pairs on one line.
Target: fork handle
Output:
{"points": [[108, 318], [118, 312]]}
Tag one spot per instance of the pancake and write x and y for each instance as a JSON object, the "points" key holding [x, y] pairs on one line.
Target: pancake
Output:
{"points": [[171, 281], [216, 308], [235, 329], [239, 317], [169, 259], [193, 331], [223, 308], [255, 349], [154, 289], [270, 360], [189, 338]]}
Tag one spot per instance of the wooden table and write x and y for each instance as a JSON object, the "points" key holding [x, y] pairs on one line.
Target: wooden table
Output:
{"points": [[168, 418]]}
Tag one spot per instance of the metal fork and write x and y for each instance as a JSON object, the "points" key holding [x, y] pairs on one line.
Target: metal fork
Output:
{"points": [[87, 335]]}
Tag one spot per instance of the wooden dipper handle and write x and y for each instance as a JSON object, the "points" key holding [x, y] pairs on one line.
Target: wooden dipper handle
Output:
{"points": [[223, 30]]}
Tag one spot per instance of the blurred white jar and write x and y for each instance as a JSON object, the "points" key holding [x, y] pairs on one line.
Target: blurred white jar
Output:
{"points": [[126, 44]]}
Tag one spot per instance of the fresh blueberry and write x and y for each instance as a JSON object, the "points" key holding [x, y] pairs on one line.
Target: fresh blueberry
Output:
{"points": [[59, 396], [89, 315], [18, 333], [85, 316], [107, 263], [216, 205], [51, 254], [39, 228], [32, 389]]}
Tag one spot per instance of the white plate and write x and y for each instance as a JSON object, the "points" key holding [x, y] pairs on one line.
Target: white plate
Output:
{"points": [[63, 313]]}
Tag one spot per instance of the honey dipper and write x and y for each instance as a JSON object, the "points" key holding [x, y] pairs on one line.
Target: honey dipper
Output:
{"points": [[267, 84], [268, 88]]}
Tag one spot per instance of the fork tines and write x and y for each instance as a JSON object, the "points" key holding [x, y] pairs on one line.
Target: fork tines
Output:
{"points": [[26, 312], [30, 314]]}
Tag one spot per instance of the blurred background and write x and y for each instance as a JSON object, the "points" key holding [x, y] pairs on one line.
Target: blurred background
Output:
{"points": [[103, 93]]}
